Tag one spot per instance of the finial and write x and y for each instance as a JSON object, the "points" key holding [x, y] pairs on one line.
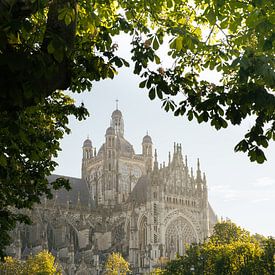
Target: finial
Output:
{"points": [[147, 132], [169, 158], [156, 155], [174, 146], [116, 104], [204, 179], [198, 163], [186, 163]]}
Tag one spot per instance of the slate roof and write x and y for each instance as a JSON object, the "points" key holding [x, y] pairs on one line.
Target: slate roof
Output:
{"points": [[78, 189], [140, 191], [147, 139], [116, 113], [87, 143], [125, 147]]}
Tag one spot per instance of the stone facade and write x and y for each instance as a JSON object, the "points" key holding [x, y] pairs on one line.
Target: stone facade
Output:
{"points": [[124, 202]]}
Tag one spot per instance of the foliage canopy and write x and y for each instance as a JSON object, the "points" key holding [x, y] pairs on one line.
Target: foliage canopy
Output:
{"points": [[42, 263], [116, 265], [68, 44], [29, 141], [230, 250]]}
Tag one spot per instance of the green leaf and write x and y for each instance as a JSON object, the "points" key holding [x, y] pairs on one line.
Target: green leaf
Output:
{"points": [[58, 55], [190, 115], [211, 16], [50, 48], [177, 112], [272, 18], [142, 84], [157, 59], [3, 161], [155, 43], [178, 43], [159, 93], [68, 19], [224, 24], [152, 93], [169, 3]]}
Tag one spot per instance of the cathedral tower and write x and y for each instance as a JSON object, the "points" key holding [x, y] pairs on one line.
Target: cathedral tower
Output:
{"points": [[117, 122], [87, 150]]}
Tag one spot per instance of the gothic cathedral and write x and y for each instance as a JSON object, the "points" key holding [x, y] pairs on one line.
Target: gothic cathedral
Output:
{"points": [[124, 202]]}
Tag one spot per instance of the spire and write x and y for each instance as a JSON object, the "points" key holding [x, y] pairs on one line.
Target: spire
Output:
{"points": [[180, 154], [192, 174], [116, 104], [198, 163], [204, 182], [169, 158], [156, 160], [198, 171], [186, 162]]}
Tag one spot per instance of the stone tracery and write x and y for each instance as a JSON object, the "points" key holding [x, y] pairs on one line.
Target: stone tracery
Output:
{"points": [[179, 232]]}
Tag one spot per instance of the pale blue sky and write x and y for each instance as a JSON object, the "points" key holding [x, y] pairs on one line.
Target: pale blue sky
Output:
{"points": [[238, 189]]}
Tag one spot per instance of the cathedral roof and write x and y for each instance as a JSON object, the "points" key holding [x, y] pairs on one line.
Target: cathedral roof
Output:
{"points": [[140, 191], [116, 113], [87, 143], [147, 139], [110, 131], [125, 147], [78, 192]]}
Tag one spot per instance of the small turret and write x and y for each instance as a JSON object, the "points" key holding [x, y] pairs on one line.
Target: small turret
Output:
{"points": [[117, 122], [110, 147], [87, 149], [147, 152]]}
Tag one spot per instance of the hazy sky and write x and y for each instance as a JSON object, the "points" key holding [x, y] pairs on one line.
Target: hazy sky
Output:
{"points": [[238, 189]]}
